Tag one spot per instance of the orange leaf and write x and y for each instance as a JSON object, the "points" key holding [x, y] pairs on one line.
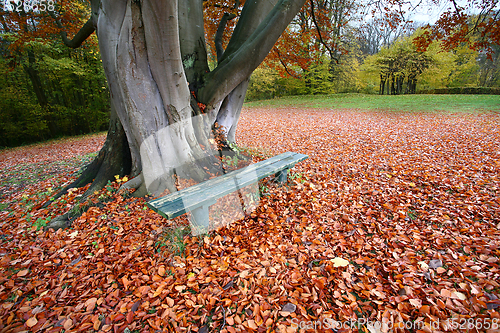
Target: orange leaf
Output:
{"points": [[130, 317], [68, 324], [31, 322], [159, 290], [22, 273], [90, 304]]}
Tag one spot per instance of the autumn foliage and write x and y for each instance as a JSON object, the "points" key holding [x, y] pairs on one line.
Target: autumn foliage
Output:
{"points": [[456, 26], [27, 25], [394, 216]]}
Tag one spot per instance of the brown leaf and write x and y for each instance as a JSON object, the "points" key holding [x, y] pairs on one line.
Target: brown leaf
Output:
{"points": [[90, 304], [23, 272], [287, 309], [31, 322]]}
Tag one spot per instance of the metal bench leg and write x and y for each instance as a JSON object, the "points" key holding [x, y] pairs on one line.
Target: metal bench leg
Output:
{"points": [[199, 220], [282, 176]]}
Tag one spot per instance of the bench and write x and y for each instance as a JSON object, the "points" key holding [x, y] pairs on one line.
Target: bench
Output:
{"points": [[198, 198]]}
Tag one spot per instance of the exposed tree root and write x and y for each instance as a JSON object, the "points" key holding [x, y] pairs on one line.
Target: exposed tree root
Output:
{"points": [[113, 159]]}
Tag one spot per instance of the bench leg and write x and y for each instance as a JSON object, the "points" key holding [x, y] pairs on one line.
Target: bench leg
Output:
{"points": [[282, 176], [199, 220]]}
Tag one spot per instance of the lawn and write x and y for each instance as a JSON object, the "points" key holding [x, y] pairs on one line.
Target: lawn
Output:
{"points": [[418, 103], [394, 217]]}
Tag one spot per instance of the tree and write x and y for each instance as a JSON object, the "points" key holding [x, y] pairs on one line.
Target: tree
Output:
{"points": [[315, 34], [489, 72], [164, 99], [472, 23], [67, 84], [377, 33], [399, 66]]}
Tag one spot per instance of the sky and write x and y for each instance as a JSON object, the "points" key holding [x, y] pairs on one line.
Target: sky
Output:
{"points": [[429, 13]]}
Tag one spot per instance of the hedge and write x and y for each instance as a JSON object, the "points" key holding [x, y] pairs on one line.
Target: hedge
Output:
{"points": [[463, 90]]}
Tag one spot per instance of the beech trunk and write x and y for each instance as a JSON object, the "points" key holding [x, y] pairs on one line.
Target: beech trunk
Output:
{"points": [[155, 60]]}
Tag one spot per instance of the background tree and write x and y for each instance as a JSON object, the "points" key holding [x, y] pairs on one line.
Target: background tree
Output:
{"points": [[472, 23], [489, 68], [377, 33], [49, 90], [317, 34], [399, 66]]}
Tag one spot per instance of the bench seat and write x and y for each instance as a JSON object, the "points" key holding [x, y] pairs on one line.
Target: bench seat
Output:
{"points": [[198, 198]]}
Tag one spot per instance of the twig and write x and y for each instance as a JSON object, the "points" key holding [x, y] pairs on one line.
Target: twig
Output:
{"points": [[224, 322]]}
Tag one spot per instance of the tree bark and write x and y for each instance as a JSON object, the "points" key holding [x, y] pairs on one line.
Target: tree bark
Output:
{"points": [[148, 83], [230, 110], [237, 65], [192, 42], [253, 13], [113, 159], [382, 84]]}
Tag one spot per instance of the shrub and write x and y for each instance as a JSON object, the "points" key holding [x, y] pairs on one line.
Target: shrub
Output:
{"points": [[463, 90]]}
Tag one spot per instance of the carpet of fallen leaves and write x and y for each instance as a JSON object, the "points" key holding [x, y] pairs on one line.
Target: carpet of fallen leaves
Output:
{"points": [[393, 218]]}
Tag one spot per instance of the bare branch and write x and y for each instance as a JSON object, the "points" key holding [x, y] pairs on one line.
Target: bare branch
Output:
{"points": [[457, 8], [284, 65], [319, 32], [220, 32]]}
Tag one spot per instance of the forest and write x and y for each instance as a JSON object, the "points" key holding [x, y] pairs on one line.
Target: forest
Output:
{"points": [[50, 90]]}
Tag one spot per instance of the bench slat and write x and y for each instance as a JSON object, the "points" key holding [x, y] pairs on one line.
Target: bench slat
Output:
{"points": [[181, 202], [220, 179]]}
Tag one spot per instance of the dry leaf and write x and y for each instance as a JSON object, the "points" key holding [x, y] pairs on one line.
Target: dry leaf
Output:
{"points": [[31, 322], [23, 272], [416, 302], [339, 262], [287, 309]]}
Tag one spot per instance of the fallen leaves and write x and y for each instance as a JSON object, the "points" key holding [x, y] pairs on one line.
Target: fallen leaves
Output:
{"points": [[394, 216], [22, 273], [31, 322]]}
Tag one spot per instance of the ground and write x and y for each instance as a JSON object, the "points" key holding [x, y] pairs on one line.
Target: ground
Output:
{"points": [[394, 217]]}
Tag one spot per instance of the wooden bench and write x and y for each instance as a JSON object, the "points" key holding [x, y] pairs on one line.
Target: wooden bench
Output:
{"points": [[198, 198]]}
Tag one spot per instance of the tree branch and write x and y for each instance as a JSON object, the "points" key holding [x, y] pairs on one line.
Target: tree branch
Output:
{"points": [[252, 15], [192, 41], [84, 32], [220, 32], [284, 65], [313, 16], [237, 65], [457, 8]]}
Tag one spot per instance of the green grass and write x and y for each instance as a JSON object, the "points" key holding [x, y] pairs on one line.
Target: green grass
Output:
{"points": [[60, 139], [417, 103]]}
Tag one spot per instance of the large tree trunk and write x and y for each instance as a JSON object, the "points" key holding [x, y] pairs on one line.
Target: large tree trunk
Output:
{"points": [[230, 110], [154, 57], [142, 60]]}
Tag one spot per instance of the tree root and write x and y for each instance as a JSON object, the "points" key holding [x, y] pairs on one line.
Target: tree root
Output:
{"points": [[113, 159], [65, 220]]}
